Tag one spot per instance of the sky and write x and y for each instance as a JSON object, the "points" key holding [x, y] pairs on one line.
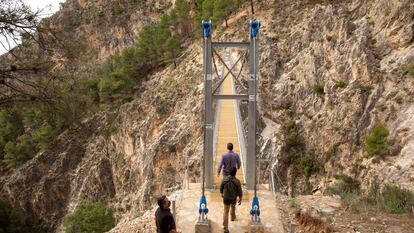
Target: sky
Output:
{"points": [[48, 7]]}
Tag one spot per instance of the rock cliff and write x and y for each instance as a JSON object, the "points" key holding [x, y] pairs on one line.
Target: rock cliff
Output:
{"points": [[356, 52], [335, 68]]}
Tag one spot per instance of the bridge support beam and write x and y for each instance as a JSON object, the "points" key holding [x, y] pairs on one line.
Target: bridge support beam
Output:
{"points": [[249, 159], [208, 111], [251, 134]]}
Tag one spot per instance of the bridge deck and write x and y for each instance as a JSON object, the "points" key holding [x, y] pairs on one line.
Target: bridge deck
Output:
{"points": [[227, 130]]}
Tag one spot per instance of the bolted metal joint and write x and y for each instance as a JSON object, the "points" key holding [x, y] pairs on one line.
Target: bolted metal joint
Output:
{"points": [[206, 28], [255, 211], [254, 27], [203, 210]]}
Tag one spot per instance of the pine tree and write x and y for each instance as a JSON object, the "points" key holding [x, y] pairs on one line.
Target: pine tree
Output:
{"points": [[181, 13], [221, 10], [207, 9], [146, 45], [172, 49]]}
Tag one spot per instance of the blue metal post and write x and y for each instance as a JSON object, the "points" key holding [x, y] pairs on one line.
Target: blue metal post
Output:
{"points": [[253, 79], [208, 118]]}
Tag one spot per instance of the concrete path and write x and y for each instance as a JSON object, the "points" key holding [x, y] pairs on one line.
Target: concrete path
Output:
{"points": [[187, 211]]}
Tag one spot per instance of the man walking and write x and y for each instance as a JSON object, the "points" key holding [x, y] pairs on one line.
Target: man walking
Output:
{"points": [[228, 161], [230, 189], [164, 219]]}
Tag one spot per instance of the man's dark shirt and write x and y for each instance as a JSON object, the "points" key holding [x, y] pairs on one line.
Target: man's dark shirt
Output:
{"points": [[239, 192], [165, 220]]}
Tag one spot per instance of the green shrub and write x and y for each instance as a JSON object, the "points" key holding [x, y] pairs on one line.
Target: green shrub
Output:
{"points": [[43, 136], [377, 77], [221, 10], [293, 144], [374, 191], [216, 10], [309, 164], [344, 185], [155, 47], [365, 88], [11, 126], [292, 140], [110, 126], [182, 20], [399, 100], [112, 86], [15, 154], [117, 76], [292, 203], [340, 84], [330, 154], [71, 109], [410, 69], [117, 8], [355, 202], [376, 141], [11, 220], [89, 218], [318, 89], [290, 127], [207, 9], [396, 200]]}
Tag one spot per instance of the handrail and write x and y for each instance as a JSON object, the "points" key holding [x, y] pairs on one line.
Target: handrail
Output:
{"points": [[186, 179], [272, 174]]}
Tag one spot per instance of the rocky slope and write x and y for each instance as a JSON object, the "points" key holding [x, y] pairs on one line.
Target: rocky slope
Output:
{"points": [[101, 28], [142, 158], [356, 50]]}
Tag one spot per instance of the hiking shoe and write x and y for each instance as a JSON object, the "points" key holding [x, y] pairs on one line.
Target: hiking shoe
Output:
{"points": [[226, 231], [233, 219]]}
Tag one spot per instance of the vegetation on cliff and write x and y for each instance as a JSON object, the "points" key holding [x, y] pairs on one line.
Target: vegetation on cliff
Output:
{"points": [[90, 217], [11, 220]]}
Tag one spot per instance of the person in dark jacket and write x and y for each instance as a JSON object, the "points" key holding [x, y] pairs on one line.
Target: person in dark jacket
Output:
{"points": [[228, 160], [164, 219], [230, 189]]}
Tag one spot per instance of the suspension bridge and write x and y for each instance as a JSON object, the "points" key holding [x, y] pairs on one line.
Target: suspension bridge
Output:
{"points": [[200, 208]]}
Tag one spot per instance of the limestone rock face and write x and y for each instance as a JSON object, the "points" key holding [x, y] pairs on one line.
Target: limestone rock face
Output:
{"points": [[104, 27], [355, 51], [143, 156]]}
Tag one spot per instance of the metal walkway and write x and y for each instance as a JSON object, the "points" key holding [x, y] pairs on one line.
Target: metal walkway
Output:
{"points": [[227, 130]]}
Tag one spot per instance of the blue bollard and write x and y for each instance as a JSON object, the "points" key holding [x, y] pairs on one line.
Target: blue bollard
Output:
{"points": [[255, 211], [254, 27], [203, 210], [206, 28]]}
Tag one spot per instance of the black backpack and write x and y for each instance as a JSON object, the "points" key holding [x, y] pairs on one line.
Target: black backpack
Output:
{"points": [[230, 191]]}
